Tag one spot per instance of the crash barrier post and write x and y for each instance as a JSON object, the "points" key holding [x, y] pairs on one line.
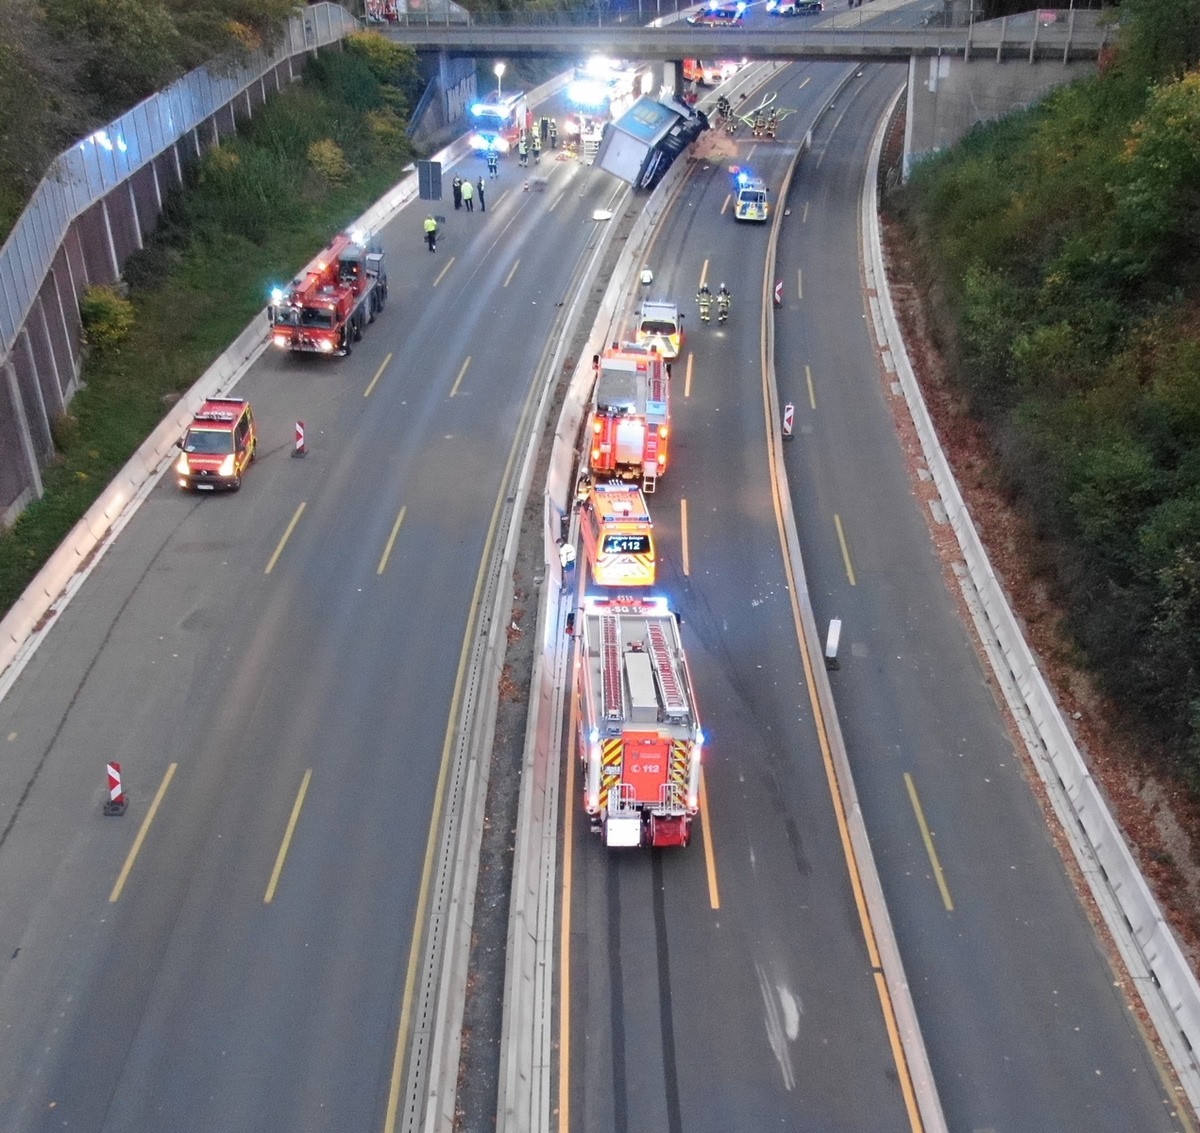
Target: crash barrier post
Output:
{"points": [[117, 800]]}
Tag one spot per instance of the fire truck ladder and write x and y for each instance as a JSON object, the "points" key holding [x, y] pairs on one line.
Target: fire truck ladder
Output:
{"points": [[610, 667], [668, 680], [649, 476]]}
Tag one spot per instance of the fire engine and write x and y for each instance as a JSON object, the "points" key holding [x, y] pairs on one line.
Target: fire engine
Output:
{"points": [[631, 416], [639, 735], [325, 308]]}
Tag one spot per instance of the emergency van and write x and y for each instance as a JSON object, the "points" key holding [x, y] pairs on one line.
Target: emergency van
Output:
{"points": [[618, 537], [219, 445], [660, 327]]}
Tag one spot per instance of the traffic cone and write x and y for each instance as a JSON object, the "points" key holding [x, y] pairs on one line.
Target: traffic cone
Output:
{"points": [[301, 448], [526, 189]]}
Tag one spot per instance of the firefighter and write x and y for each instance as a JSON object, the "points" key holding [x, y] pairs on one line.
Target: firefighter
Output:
{"points": [[523, 151], [772, 124], [456, 185], [760, 124], [493, 159], [724, 299], [431, 233], [704, 298], [537, 150], [544, 128], [553, 133], [479, 194]]}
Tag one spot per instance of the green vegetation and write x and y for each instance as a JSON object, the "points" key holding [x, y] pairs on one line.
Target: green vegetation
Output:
{"points": [[1063, 252], [326, 149]]}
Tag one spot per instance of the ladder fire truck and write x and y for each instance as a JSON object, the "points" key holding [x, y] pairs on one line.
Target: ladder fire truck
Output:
{"points": [[631, 415], [639, 736], [325, 308]]}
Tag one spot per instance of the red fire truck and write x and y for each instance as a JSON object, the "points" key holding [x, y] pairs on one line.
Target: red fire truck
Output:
{"points": [[631, 415]]}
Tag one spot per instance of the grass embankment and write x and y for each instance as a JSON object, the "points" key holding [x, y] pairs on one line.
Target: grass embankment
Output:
{"points": [[1062, 249], [253, 212]]}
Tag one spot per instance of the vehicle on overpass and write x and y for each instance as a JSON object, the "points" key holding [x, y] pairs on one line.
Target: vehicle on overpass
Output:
{"points": [[795, 7], [618, 535], [718, 14], [639, 734]]}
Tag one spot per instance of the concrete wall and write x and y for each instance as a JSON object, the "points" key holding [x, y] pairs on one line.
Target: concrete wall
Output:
{"points": [[946, 96]]}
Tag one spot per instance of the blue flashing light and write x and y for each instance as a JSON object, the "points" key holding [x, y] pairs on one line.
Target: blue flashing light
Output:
{"points": [[588, 92], [742, 178], [276, 295]]}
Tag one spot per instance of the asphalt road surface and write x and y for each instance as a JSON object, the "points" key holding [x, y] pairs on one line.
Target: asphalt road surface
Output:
{"points": [[279, 665]]}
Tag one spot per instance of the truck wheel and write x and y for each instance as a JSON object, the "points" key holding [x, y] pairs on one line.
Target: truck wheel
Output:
{"points": [[358, 328], [236, 483], [371, 305]]}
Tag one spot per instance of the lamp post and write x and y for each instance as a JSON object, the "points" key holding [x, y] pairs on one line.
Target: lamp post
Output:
{"points": [[499, 69]]}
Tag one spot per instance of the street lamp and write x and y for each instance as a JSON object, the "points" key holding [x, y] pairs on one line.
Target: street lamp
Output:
{"points": [[499, 69]]}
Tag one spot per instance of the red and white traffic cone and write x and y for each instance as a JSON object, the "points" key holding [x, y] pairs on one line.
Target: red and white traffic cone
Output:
{"points": [[301, 448], [117, 800], [789, 419], [778, 293], [526, 189]]}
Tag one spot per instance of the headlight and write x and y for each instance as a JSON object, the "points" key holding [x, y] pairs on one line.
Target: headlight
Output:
{"points": [[181, 465], [281, 340], [226, 468], [325, 344]]}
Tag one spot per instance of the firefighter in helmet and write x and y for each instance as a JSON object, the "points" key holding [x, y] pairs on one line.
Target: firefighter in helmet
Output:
{"points": [[724, 299], [704, 298]]}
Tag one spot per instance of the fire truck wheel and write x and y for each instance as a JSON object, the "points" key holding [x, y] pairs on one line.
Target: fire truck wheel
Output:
{"points": [[357, 327], [236, 483]]}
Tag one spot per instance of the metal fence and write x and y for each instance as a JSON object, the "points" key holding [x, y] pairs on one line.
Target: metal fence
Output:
{"points": [[91, 211]]}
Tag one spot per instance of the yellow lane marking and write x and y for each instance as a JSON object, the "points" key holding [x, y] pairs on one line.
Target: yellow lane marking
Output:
{"points": [[269, 895], [378, 374], [442, 273], [837, 522], [439, 794], [143, 830], [725, 206], [812, 393], [710, 862], [904, 1075], [286, 536], [461, 372], [512, 272], [927, 838], [387, 550], [687, 380], [683, 535], [564, 933], [704, 269], [799, 283]]}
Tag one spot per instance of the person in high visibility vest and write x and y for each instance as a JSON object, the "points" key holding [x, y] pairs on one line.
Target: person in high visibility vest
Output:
{"points": [[493, 159], [537, 150], [431, 233], [523, 150], [553, 133]]}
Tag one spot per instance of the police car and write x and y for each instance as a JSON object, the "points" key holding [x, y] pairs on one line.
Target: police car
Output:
{"points": [[219, 445], [716, 14]]}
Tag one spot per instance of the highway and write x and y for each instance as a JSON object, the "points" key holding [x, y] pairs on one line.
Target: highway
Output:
{"points": [[277, 671], [755, 1009]]}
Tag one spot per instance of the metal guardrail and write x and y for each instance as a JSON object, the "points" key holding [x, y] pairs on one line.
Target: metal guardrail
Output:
{"points": [[96, 165], [1064, 35]]}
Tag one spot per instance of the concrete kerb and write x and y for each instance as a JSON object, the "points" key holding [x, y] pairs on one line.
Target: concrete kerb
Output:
{"points": [[1164, 980], [908, 1027]]}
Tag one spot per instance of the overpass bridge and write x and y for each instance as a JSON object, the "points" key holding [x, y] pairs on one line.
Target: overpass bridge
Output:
{"points": [[1055, 36]]}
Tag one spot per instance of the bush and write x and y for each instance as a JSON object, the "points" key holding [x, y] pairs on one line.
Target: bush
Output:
{"points": [[107, 317], [328, 160]]}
